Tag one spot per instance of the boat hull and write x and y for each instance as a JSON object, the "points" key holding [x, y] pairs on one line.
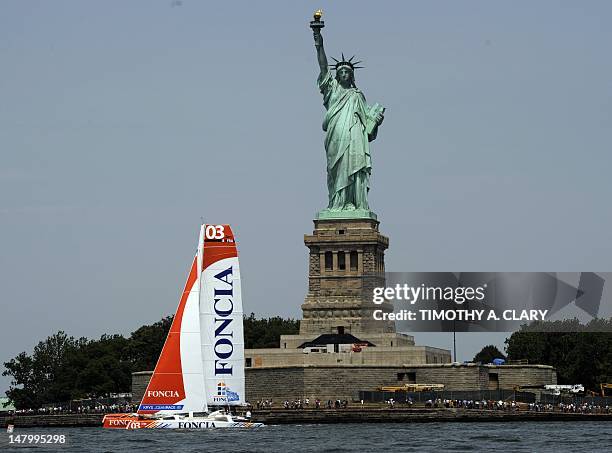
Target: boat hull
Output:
{"points": [[130, 421]]}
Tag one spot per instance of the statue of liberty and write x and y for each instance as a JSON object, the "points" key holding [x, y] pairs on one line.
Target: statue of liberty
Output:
{"points": [[350, 124]]}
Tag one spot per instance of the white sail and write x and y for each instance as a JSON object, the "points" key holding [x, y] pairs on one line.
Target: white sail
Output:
{"points": [[221, 318]]}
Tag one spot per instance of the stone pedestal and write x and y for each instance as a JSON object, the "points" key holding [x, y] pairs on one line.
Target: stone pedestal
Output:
{"points": [[346, 261]]}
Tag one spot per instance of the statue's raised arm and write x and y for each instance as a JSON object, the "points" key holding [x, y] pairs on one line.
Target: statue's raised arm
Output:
{"points": [[316, 25]]}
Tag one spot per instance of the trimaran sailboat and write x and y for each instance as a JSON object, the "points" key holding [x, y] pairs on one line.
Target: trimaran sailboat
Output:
{"points": [[202, 361]]}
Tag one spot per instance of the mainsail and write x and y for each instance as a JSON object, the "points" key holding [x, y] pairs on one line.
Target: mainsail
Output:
{"points": [[177, 384], [221, 318]]}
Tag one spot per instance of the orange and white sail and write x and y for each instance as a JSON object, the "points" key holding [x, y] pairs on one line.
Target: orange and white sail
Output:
{"points": [[177, 384], [221, 318]]}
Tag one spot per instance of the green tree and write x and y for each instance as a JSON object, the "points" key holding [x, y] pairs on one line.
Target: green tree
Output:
{"points": [[265, 333], [22, 390], [36, 379], [106, 367], [488, 353], [581, 354], [146, 344]]}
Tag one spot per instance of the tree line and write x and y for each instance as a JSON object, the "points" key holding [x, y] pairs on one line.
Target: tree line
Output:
{"points": [[63, 368], [581, 353]]}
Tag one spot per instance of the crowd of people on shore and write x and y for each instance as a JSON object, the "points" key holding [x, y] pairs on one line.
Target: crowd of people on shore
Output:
{"points": [[78, 409], [473, 404], [584, 408], [509, 405], [305, 404]]}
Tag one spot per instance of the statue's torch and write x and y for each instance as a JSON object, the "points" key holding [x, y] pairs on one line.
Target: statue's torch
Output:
{"points": [[317, 24]]}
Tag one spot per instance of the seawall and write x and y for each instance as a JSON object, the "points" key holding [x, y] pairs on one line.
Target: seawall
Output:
{"points": [[415, 415], [52, 421]]}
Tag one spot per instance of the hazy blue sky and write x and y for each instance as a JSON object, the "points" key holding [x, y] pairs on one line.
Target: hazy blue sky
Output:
{"points": [[124, 122]]}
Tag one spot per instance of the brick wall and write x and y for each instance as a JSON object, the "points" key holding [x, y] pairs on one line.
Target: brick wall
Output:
{"points": [[277, 384], [513, 375], [344, 382]]}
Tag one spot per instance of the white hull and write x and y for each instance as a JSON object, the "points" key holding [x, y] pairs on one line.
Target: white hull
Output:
{"points": [[202, 423], [212, 421]]}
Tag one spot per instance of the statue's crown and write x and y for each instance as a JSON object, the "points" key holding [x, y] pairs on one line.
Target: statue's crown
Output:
{"points": [[347, 63]]}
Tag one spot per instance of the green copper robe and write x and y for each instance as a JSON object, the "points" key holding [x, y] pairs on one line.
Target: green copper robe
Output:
{"points": [[346, 145]]}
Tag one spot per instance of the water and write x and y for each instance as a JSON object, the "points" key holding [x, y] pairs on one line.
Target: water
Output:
{"points": [[397, 437]]}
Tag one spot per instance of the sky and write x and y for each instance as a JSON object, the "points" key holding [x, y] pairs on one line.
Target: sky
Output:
{"points": [[123, 124]]}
